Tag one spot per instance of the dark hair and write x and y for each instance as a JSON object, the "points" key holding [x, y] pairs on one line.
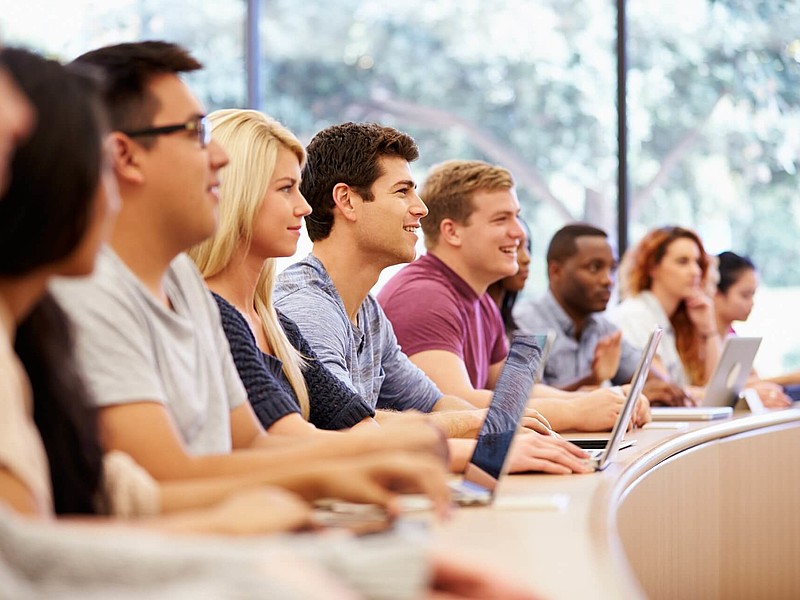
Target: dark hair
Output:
{"points": [[563, 246], [348, 153], [43, 217], [731, 266], [56, 171], [128, 68]]}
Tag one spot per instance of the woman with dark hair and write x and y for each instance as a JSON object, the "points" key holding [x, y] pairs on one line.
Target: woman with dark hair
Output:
{"points": [[733, 301], [661, 281], [505, 291]]}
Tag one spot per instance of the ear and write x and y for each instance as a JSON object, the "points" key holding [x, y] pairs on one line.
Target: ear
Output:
{"points": [[553, 270], [344, 201], [125, 156], [450, 233]]}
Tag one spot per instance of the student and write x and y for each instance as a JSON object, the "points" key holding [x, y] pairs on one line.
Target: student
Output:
{"points": [[149, 338], [365, 216], [456, 336], [662, 281], [733, 301], [588, 349], [505, 292]]}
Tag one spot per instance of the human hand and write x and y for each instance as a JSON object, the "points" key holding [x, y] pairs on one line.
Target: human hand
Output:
{"points": [[771, 394], [596, 410], [664, 393], [641, 411], [379, 478], [455, 578], [417, 432], [700, 309], [259, 511], [532, 451], [607, 353]]}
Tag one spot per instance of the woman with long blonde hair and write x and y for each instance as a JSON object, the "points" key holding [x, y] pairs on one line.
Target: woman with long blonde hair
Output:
{"points": [[661, 281], [261, 213]]}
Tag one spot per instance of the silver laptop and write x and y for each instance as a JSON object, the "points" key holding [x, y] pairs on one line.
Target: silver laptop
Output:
{"points": [[509, 400], [723, 389], [545, 341], [601, 457]]}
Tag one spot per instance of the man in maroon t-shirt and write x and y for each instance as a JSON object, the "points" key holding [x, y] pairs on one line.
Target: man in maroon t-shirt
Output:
{"points": [[440, 311]]}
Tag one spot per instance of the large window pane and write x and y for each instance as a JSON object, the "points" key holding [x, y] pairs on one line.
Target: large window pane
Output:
{"points": [[212, 30], [527, 84], [714, 101]]}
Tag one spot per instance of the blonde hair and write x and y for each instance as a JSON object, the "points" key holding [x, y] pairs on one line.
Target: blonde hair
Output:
{"points": [[448, 190], [252, 141]]}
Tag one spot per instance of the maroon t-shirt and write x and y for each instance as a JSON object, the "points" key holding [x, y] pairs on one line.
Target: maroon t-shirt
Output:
{"points": [[432, 308]]}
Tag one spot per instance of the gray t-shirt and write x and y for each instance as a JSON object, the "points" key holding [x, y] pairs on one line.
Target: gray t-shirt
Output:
{"points": [[131, 348], [569, 358], [368, 357]]}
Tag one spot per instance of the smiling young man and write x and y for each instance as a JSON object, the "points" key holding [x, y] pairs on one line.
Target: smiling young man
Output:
{"points": [[366, 213], [588, 349], [443, 317]]}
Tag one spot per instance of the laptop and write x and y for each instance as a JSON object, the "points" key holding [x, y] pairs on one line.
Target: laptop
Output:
{"points": [[601, 457], [509, 400], [723, 389]]}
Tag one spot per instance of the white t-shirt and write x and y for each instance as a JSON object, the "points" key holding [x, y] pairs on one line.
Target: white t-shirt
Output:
{"points": [[131, 348], [636, 316]]}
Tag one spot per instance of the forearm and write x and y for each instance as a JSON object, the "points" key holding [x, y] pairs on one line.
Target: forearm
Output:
{"points": [[573, 386], [452, 402], [459, 424], [460, 454], [559, 412], [540, 390]]}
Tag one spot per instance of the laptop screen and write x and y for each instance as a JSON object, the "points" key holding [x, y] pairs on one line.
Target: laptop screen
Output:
{"points": [[505, 411]]}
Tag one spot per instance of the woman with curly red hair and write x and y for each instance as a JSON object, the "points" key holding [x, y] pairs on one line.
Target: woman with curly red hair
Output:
{"points": [[661, 281]]}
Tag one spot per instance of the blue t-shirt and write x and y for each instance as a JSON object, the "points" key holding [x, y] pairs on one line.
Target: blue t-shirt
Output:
{"points": [[366, 357]]}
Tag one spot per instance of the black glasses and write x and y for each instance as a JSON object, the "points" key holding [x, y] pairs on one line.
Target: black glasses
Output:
{"points": [[200, 125]]}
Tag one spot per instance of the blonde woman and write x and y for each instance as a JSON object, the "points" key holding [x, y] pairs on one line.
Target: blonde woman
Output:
{"points": [[261, 212]]}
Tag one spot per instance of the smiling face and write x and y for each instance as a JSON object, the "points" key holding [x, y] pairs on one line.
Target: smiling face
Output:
{"points": [[182, 178], [679, 273], [516, 282], [582, 282], [491, 237], [278, 222], [736, 303], [388, 225]]}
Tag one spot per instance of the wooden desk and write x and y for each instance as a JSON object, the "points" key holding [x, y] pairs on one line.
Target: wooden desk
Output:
{"points": [[708, 512]]}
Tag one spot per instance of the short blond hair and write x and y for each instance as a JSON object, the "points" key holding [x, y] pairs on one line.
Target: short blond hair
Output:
{"points": [[448, 189], [252, 141]]}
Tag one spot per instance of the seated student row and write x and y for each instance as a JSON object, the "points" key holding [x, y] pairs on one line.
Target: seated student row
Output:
{"points": [[663, 284], [63, 238]]}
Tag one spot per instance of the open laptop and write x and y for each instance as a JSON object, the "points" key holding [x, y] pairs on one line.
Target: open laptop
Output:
{"points": [[601, 457], [723, 389], [545, 342], [508, 403]]}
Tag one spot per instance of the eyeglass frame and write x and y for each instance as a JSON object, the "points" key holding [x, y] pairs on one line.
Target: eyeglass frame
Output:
{"points": [[199, 124]]}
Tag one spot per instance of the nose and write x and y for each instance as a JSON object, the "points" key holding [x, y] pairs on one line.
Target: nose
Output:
{"points": [[418, 208], [217, 157], [302, 207], [516, 232]]}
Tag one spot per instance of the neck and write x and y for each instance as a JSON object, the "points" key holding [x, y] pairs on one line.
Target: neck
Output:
{"points": [[723, 326], [237, 281], [478, 282], [352, 275], [20, 295], [144, 251], [578, 318], [668, 302], [496, 292]]}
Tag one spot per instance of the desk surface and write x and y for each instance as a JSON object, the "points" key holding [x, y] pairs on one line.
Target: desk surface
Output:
{"points": [[576, 551]]}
